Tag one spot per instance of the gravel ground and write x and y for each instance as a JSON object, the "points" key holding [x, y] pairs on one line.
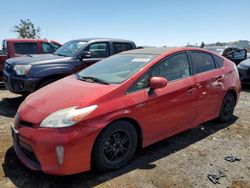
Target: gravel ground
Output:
{"points": [[184, 160]]}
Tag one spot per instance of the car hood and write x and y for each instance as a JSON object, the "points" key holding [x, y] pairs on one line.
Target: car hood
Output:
{"points": [[65, 93], [37, 59], [245, 64]]}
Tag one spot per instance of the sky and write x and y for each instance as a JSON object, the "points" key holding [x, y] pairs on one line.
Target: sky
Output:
{"points": [[146, 22]]}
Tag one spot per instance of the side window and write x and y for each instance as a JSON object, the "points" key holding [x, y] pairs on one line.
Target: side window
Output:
{"points": [[219, 61], [239, 54], [202, 62], [141, 83], [120, 47], [173, 68], [49, 48], [25, 48], [98, 50], [4, 47]]}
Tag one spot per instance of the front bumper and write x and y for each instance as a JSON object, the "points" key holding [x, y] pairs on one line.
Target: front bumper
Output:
{"points": [[244, 75], [18, 84], [35, 147]]}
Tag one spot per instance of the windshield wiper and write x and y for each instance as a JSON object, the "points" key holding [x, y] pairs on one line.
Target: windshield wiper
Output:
{"points": [[61, 55], [91, 79]]}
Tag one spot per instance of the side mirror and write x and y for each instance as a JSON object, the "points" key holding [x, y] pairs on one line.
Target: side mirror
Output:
{"points": [[85, 54], [157, 82]]}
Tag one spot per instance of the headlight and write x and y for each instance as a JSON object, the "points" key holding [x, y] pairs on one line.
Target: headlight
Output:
{"points": [[67, 117], [22, 69]]}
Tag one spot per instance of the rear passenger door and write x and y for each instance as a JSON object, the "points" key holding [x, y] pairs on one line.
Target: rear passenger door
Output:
{"points": [[120, 47], [209, 78]]}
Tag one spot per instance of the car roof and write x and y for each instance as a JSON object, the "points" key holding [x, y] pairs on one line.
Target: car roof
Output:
{"points": [[222, 47], [27, 40], [160, 50], [103, 39], [155, 51]]}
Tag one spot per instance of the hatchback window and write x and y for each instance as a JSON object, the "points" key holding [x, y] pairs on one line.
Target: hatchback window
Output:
{"points": [[120, 47], [202, 62], [173, 68], [98, 50], [26, 48]]}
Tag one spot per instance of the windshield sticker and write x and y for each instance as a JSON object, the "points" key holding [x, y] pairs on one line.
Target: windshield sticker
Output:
{"points": [[81, 43], [141, 59]]}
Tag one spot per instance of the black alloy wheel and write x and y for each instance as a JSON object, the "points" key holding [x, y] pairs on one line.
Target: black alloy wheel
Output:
{"points": [[227, 108], [115, 146]]}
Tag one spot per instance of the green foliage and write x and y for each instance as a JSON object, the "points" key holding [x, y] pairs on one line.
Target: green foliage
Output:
{"points": [[26, 29]]}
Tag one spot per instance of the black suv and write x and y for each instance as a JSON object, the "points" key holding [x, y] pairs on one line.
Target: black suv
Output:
{"points": [[24, 75]]}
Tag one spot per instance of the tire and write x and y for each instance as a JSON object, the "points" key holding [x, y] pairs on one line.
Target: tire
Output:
{"points": [[115, 146], [45, 82], [227, 108]]}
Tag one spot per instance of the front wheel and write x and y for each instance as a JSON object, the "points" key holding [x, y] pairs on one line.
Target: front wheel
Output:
{"points": [[115, 146], [227, 108]]}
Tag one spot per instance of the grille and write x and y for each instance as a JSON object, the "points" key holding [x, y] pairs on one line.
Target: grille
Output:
{"points": [[25, 124], [27, 151]]}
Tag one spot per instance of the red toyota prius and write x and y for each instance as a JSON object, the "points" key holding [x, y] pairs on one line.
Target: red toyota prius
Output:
{"points": [[98, 117]]}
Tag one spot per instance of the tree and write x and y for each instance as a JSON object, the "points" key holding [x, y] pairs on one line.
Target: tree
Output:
{"points": [[202, 44], [26, 29], [218, 44]]}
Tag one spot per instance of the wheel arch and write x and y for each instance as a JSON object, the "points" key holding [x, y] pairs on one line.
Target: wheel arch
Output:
{"points": [[133, 122], [51, 77], [234, 93]]}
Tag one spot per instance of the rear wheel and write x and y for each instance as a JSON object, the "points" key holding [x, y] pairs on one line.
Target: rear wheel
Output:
{"points": [[227, 108], [115, 146]]}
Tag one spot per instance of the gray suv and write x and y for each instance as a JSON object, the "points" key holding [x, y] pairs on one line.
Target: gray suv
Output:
{"points": [[24, 75]]}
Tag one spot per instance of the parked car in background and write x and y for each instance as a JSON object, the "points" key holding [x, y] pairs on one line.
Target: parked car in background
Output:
{"points": [[98, 117], [24, 75], [244, 71], [233, 53], [2, 59], [19, 47]]}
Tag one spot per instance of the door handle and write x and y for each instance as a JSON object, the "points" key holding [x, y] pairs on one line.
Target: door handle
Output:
{"points": [[190, 90], [219, 78]]}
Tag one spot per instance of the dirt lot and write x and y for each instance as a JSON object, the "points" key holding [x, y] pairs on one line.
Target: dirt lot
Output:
{"points": [[180, 161]]}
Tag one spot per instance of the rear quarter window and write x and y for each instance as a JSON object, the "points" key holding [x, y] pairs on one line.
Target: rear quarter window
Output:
{"points": [[26, 48]]}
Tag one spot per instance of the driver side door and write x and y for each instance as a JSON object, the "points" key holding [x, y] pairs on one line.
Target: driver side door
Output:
{"points": [[172, 108], [97, 52]]}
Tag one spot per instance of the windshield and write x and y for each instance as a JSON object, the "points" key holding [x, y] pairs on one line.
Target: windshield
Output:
{"points": [[116, 69], [70, 48]]}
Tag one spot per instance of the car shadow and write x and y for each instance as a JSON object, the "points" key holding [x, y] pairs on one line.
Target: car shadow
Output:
{"points": [[23, 177], [2, 87], [9, 106], [245, 87]]}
